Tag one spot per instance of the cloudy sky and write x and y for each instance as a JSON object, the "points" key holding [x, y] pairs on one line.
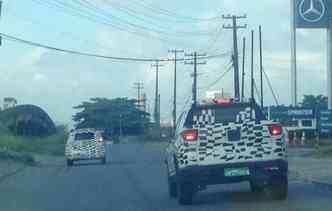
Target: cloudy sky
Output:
{"points": [[135, 28]]}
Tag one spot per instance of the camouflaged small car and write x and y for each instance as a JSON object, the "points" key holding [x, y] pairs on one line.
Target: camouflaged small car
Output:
{"points": [[226, 142], [85, 144]]}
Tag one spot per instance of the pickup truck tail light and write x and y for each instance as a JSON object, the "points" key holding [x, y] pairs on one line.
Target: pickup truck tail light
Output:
{"points": [[275, 129], [190, 135]]}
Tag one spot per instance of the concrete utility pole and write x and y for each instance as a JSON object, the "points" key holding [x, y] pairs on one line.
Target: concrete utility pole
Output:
{"points": [[261, 65], [329, 65], [293, 55], [175, 52], [243, 68], [252, 70], [235, 27], [156, 105], [139, 86], [1, 3], [195, 55]]}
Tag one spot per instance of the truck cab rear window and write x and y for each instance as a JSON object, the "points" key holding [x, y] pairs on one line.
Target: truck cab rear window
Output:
{"points": [[224, 115]]}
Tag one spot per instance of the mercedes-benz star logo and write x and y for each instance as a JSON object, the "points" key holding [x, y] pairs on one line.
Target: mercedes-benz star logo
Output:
{"points": [[312, 10]]}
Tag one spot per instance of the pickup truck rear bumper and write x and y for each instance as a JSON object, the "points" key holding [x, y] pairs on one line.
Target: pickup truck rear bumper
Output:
{"points": [[262, 172]]}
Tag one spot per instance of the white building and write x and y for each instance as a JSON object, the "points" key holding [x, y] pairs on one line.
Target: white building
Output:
{"points": [[9, 102]]}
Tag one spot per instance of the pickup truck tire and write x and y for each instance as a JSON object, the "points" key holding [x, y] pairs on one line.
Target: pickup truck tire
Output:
{"points": [[185, 193], [279, 190], [255, 188], [172, 189]]}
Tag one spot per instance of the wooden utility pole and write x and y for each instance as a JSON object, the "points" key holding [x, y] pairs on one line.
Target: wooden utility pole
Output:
{"points": [[235, 28], [175, 51], [195, 55]]}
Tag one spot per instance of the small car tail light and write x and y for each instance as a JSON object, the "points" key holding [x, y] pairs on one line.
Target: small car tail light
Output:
{"points": [[190, 135], [275, 129]]}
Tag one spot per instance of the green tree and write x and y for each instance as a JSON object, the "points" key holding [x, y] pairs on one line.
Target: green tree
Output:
{"points": [[312, 101], [113, 115]]}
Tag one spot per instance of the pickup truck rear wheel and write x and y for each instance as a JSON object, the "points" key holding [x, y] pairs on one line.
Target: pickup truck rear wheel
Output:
{"points": [[70, 162], [172, 189], [255, 188], [185, 193]]}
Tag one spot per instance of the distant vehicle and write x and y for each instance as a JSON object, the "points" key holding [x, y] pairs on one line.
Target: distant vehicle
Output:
{"points": [[226, 142], [85, 144]]}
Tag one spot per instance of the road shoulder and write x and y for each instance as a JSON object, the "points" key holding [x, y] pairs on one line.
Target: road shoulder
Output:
{"points": [[10, 168], [317, 171]]}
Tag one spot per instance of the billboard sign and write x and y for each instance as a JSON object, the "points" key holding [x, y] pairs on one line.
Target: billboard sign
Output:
{"points": [[294, 118], [325, 122], [313, 13]]}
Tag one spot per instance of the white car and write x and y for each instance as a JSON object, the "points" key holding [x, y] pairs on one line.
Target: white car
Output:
{"points": [[226, 142], [85, 144]]}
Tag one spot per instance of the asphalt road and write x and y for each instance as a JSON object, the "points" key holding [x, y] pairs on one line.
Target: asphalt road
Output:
{"points": [[134, 179]]}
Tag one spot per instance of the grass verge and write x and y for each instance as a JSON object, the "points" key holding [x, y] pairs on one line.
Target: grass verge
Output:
{"points": [[323, 152], [24, 149]]}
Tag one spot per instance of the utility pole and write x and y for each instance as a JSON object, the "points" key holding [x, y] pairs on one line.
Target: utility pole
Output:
{"points": [[175, 51], [120, 126], [252, 71], [195, 63], [156, 105], [261, 65], [235, 28], [293, 55], [139, 86], [243, 68], [1, 3]]}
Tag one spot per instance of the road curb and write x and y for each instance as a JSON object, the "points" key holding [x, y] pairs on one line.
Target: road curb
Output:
{"points": [[323, 185]]}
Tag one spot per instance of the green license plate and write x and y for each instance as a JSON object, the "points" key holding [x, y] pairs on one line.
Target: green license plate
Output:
{"points": [[236, 172]]}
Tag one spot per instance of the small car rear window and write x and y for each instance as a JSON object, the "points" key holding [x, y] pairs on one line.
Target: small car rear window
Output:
{"points": [[84, 136]]}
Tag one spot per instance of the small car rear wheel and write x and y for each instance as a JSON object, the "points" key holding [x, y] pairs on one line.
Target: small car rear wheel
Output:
{"points": [[70, 162], [103, 160], [185, 193]]}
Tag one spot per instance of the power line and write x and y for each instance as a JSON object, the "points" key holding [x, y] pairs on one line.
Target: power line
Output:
{"points": [[172, 14], [59, 34], [96, 19], [146, 18], [132, 59], [85, 6], [218, 79], [271, 87]]}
